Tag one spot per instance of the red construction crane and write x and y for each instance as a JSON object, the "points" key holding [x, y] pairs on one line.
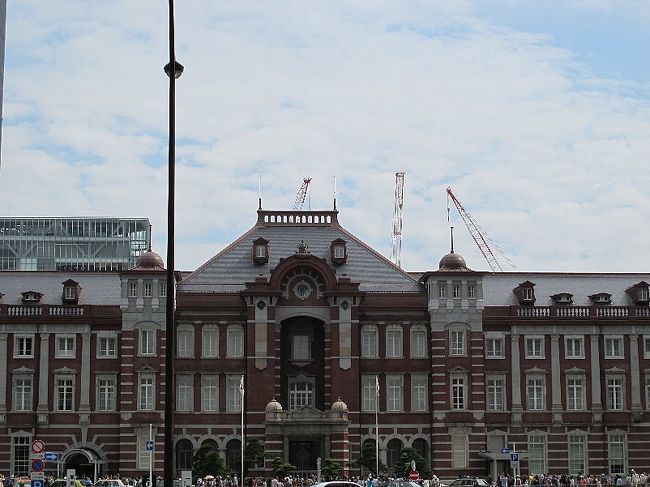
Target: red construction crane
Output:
{"points": [[478, 234], [302, 194], [396, 247]]}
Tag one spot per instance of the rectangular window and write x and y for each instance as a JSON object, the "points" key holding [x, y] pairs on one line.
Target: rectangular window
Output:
{"points": [[647, 393], [395, 392], [133, 289], [419, 392], [210, 393], [494, 347], [442, 290], [210, 341], [369, 393], [64, 394], [495, 394], [394, 342], [106, 394], [148, 288], [577, 452], [301, 347], [147, 342], [471, 290], [184, 392], [534, 347], [23, 393], [69, 293], [536, 453], [162, 289], [147, 391], [527, 294], [574, 347], [23, 347], [339, 252], [459, 449], [535, 393], [457, 342], [233, 394], [575, 393], [614, 347], [301, 394], [235, 341], [21, 456], [185, 342], [616, 454], [106, 347], [615, 393], [65, 347], [418, 342], [458, 393], [369, 342], [456, 290]]}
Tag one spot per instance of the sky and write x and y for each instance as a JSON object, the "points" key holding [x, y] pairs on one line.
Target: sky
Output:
{"points": [[536, 113]]}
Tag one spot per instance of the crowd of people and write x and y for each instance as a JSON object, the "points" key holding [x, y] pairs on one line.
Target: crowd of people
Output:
{"points": [[632, 479]]}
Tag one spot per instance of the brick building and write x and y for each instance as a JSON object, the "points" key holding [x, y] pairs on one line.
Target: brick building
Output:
{"points": [[468, 363]]}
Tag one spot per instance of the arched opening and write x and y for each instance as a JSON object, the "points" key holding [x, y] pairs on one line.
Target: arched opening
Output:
{"points": [[233, 455], [421, 447], [184, 455], [393, 449], [84, 462], [368, 456]]}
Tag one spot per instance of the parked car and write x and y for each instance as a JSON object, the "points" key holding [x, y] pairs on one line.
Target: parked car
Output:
{"points": [[64, 483], [469, 482], [109, 483]]}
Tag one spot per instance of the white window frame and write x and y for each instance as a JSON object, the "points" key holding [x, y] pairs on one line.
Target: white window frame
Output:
{"points": [[65, 352], [108, 351], [610, 348], [147, 289], [185, 392], [146, 391], [301, 392], [537, 400], [419, 392], [646, 346], [22, 441], [418, 342], [617, 438], [70, 293], [495, 393], [537, 351], [235, 341], [185, 341], [104, 402], [537, 441], [615, 392], [577, 459], [394, 341], [458, 392], [647, 392], [442, 289], [369, 341], [132, 289], [213, 350], [456, 290], [301, 347], [69, 390], [210, 393], [368, 394], [459, 450], [394, 392], [147, 342], [26, 395], [233, 394], [17, 348], [570, 342], [491, 351], [458, 342], [576, 397], [471, 290], [162, 289]]}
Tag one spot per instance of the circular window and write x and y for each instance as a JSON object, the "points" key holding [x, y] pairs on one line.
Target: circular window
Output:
{"points": [[302, 289]]}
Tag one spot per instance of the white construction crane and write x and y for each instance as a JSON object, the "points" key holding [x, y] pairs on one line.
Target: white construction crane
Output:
{"points": [[396, 238], [302, 194]]}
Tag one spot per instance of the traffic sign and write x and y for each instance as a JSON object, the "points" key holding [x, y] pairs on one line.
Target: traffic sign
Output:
{"points": [[38, 483], [149, 445], [505, 450], [51, 456], [38, 476], [38, 446], [414, 475], [38, 465], [514, 459]]}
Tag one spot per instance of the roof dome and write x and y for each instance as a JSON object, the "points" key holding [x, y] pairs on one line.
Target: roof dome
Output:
{"points": [[452, 262], [149, 260], [273, 406], [339, 406]]}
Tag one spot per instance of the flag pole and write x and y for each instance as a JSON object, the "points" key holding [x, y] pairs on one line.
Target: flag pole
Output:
{"points": [[241, 389], [377, 425]]}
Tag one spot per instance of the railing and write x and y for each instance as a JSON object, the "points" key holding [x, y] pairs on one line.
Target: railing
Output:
{"points": [[21, 310], [573, 311], [612, 311], [66, 311], [534, 312], [295, 217], [569, 312]]}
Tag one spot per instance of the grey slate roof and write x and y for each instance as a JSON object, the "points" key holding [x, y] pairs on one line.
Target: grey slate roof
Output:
{"points": [[231, 268]]}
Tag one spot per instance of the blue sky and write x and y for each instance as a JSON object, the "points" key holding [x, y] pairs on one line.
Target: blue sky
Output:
{"points": [[536, 113]]}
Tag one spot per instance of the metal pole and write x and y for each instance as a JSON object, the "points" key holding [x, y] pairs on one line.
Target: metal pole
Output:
{"points": [[169, 314], [377, 424], [151, 457], [241, 480]]}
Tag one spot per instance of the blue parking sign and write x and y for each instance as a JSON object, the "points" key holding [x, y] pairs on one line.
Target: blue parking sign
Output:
{"points": [[38, 483], [514, 458]]}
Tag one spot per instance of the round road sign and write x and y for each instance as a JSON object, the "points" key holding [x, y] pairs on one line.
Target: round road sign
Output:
{"points": [[38, 446], [414, 475], [38, 465]]}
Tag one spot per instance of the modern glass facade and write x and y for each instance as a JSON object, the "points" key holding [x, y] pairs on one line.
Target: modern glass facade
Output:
{"points": [[78, 244]]}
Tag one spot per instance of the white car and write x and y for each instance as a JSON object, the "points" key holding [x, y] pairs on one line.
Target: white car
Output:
{"points": [[109, 483]]}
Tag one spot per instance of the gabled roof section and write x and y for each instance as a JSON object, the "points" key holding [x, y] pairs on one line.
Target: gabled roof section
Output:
{"points": [[230, 269]]}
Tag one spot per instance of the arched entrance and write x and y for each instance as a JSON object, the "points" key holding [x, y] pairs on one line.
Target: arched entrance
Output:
{"points": [[85, 462]]}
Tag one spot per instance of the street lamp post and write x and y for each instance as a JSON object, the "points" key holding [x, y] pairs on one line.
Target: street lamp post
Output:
{"points": [[173, 71]]}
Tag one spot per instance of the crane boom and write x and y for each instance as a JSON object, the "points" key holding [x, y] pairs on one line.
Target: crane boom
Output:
{"points": [[480, 237], [396, 247], [302, 194]]}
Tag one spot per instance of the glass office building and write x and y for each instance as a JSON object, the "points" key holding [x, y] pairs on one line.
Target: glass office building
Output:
{"points": [[78, 244]]}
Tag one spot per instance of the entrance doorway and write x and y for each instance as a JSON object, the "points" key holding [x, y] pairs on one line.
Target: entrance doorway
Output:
{"points": [[82, 465], [303, 454]]}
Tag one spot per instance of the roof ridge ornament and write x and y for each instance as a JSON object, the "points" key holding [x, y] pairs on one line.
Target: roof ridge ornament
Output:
{"points": [[303, 248]]}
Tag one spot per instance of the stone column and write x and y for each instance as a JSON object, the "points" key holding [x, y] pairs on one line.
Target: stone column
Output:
{"points": [[261, 327], [84, 403], [3, 377], [635, 379], [345, 334], [556, 386], [517, 409], [596, 404], [43, 379]]}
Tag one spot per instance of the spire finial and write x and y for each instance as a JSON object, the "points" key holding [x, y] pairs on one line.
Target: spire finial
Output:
{"points": [[149, 249], [259, 192], [451, 231], [334, 191]]}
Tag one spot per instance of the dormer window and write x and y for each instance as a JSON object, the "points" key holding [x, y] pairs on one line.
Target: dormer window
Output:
{"points": [[639, 293], [601, 298], [338, 251], [31, 297], [260, 251], [562, 298], [71, 292], [525, 292]]}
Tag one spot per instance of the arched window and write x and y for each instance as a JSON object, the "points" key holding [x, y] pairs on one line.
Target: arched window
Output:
{"points": [[233, 455], [393, 450], [420, 446], [210, 443], [184, 454], [369, 449]]}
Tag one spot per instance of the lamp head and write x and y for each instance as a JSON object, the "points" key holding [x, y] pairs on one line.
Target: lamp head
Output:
{"points": [[178, 69]]}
